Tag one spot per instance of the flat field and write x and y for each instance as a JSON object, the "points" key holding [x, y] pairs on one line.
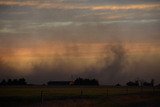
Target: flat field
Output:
{"points": [[79, 96]]}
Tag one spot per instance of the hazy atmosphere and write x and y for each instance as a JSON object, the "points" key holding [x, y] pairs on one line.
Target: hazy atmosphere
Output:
{"points": [[113, 41]]}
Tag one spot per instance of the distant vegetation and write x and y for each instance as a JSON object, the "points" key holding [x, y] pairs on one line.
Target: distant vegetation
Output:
{"points": [[141, 83], [9, 82], [78, 81], [81, 81], [130, 83]]}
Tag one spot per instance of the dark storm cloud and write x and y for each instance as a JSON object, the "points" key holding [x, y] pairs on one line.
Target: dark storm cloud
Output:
{"points": [[116, 66], [111, 66]]}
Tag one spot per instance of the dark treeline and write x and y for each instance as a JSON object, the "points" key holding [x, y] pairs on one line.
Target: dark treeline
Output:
{"points": [[9, 82], [81, 81], [78, 81], [141, 83]]}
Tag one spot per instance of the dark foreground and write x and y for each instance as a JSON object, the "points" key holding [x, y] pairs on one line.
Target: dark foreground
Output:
{"points": [[79, 97]]}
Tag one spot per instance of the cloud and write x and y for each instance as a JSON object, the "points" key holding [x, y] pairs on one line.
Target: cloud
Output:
{"points": [[42, 5], [59, 13], [6, 30], [77, 5], [128, 7]]}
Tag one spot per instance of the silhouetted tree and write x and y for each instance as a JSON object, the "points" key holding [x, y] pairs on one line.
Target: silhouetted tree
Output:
{"points": [[158, 85], [148, 84], [15, 82], [3, 82], [81, 81], [137, 83], [118, 85], [22, 81], [9, 82], [130, 83]]}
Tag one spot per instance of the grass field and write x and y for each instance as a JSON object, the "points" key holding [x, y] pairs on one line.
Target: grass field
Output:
{"points": [[42, 96]]}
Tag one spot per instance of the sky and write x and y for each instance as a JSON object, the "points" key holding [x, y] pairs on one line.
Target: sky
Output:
{"points": [[110, 40]]}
